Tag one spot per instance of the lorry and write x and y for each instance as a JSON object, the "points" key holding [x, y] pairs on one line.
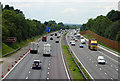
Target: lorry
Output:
{"points": [[34, 47], [44, 38], [46, 49], [92, 44]]}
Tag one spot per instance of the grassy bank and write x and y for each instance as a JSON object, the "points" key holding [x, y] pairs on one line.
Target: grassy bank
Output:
{"points": [[7, 49], [90, 37], [72, 66]]}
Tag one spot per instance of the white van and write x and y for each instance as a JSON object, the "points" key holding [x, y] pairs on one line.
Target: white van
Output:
{"points": [[46, 50], [34, 47], [82, 41]]}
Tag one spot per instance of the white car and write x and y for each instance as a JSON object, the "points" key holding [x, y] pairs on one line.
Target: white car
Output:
{"points": [[73, 43], [101, 60]]}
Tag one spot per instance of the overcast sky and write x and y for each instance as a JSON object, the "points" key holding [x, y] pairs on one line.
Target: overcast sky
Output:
{"points": [[66, 11]]}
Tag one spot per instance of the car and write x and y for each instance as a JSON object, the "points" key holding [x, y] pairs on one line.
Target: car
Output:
{"points": [[101, 60], [51, 34], [73, 43], [36, 64], [51, 38], [81, 46], [76, 40], [57, 41]]}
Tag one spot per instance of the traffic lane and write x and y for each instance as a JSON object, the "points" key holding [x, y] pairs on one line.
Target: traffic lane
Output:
{"points": [[108, 70], [21, 70], [57, 70], [109, 55]]}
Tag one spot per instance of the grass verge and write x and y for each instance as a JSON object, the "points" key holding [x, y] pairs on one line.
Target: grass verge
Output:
{"points": [[90, 37], [72, 66]]}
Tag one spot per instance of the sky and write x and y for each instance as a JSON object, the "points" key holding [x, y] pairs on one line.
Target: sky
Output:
{"points": [[66, 11]]}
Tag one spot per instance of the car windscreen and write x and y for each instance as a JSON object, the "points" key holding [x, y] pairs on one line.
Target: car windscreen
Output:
{"points": [[36, 63]]}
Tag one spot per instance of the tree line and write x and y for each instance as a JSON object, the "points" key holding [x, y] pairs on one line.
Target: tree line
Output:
{"points": [[107, 26], [14, 24]]}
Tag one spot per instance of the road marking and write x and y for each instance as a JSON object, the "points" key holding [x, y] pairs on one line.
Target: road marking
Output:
{"points": [[64, 61], [111, 65], [26, 77], [79, 60], [29, 71], [92, 62], [100, 69], [16, 65], [90, 59], [47, 78], [96, 65], [111, 78], [117, 69], [48, 68], [31, 67], [105, 73], [49, 64], [108, 56], [48, 73]]}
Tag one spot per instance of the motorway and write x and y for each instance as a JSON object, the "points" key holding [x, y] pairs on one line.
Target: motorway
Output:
{"points": [[51, 68], [88, 58]]}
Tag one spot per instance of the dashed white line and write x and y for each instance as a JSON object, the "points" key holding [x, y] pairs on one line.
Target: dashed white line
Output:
{"points": [[111, 65], [100, 69], [96, 65], [31, 67], [26, 77], [111, 78], [48, 73], [47, 78], [49, 64], [29, 71], [48, 68], [117, 69], [105, 73], [90, 59]]}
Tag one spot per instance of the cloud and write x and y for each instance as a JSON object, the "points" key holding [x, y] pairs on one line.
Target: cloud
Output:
{"points": [[69, 10]]}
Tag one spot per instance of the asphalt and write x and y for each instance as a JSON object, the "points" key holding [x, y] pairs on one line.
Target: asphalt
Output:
{"points": [[88, 57], [51, 67]]}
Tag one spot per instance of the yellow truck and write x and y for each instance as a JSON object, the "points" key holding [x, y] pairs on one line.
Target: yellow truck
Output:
{"points": [[92, 44]]}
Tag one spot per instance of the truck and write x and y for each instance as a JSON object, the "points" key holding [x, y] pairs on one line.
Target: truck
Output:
{"points": [[44, 38], [34, 47], [46, 49], [92, 44]]}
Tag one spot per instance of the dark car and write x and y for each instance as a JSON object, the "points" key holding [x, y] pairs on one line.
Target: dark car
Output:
{"points": [[57, 41], [81, 46], [51, 38], [36, 64]]}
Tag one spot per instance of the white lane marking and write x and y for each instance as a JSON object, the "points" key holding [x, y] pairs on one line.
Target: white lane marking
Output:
{"points": [[105, 73], [48, 68], [31, 67], [79, 61], [64, 62], [49, 64], [29, 71], [108, 57], [100, 69], [90, 59], [117, 69], [111, 65], [26, 77], [106, 50], [16, 65], [48, 73], [111, 78], [47, 78], [96, 65]]}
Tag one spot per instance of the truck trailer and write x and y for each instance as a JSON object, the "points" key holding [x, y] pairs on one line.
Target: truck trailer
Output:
{"points": [[46, 50], [34, 47]]}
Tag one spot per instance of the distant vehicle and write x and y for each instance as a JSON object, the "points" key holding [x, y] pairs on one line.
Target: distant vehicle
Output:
{"points": [[46, 50], [51, 38], [34, 47], [44, 39], [73, 43], [57, 41], [81, 46], [36, 64], [55, 34], [82, 41], [76, 40], [58, 36], [101, 60], [92, 44], [78, 36], [51, 34], [82, 37]]}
